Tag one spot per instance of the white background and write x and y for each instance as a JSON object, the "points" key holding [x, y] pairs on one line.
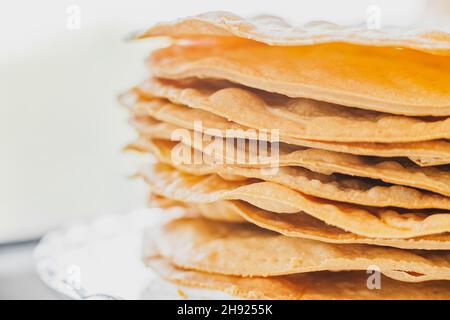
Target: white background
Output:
{"points": [[61, 129]]}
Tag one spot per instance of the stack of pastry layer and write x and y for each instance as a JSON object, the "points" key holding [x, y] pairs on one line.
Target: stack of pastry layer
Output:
{"points": [[354, 203]]}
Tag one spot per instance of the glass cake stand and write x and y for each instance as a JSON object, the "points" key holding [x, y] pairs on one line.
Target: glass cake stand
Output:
{"points": [[101, 259]]}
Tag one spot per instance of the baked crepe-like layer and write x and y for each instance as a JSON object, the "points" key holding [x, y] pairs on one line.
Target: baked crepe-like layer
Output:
{"points": [[220, 212], [332, 187], [424, 153], [366, 221], [274, 30], [296, 118], [326, 162], [381, 79], [302, 225], [306, 286], [246, 250]]}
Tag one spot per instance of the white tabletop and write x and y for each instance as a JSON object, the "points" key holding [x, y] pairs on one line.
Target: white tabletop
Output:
{"points": [[18, 280]]}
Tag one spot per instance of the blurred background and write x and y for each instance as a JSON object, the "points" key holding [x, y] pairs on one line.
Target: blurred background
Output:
{"points": [[62, 65]]}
